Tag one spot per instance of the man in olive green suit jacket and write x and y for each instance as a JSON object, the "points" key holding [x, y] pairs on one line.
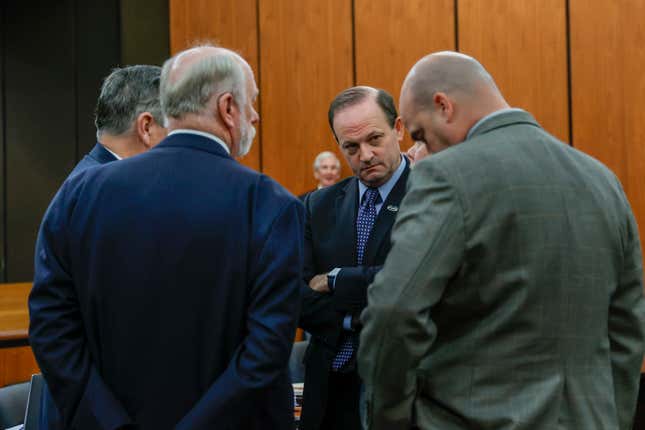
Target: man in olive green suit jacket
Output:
{"points": [[512, 297]]}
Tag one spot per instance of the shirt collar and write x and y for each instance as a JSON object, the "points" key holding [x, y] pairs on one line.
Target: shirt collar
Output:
{"points": [[203, 134], [384, 190], [117, 156], [489, 116]]}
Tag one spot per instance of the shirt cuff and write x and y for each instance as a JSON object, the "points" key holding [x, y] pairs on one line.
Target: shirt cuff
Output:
{"points": [[347, 323], [331, 278]]}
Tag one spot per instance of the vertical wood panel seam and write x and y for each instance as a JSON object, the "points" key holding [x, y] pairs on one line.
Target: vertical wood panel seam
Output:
{"points": [[569, 77], [75, 55], [3, 55], [259, 83], [353, 15], [456, 18]]}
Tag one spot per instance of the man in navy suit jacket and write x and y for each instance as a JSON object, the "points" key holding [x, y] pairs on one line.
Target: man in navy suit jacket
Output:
{"points": [[365, 124], [128, 121], [128, 116], [164, 295]]}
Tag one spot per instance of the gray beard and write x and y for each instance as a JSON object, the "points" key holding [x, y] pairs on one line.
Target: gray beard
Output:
{"points": [[246, 139]]}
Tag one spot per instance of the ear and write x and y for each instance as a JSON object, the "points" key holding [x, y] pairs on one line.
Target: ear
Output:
{"points": [[144, 123], [398, 128], [443, 105], [227, 109]]}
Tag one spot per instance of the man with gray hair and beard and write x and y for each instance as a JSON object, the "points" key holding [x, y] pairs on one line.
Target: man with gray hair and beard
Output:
{"points": [[164, 296]]}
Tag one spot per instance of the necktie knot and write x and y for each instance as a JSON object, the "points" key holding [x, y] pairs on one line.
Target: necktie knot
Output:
{"points": [[371, 197]]}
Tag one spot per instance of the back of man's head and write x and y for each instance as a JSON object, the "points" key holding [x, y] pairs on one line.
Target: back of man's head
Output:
{"points": [[126, 93], [211, 89], [191, 78], [452, 73], [444, 95]]}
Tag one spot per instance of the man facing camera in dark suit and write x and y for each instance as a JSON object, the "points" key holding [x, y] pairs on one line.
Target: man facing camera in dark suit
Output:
{"points": [[347, 237], [513, 296], [128, 116], [164, 295]]}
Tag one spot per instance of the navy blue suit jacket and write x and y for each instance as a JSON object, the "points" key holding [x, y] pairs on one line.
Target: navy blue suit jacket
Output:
{"points": [[50, 418], [166, 293], [97, 156], [330, 241]]}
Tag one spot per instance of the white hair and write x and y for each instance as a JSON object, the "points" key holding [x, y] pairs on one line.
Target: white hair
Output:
{"points": [[214, 74], [325, 154]]}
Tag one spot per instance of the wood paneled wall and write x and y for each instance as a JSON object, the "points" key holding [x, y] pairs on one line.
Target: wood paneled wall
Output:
{"points": [[51, 79], [608, 90], [574, 64], [523, 44], [230, 23], [391, 38], [297, 86]]}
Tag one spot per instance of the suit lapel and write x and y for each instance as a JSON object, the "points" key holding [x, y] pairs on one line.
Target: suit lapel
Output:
{"points": [[386, 216], [346, 210]]}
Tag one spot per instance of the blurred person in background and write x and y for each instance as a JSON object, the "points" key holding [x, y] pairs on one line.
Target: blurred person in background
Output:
{"points": [[326, 171]]}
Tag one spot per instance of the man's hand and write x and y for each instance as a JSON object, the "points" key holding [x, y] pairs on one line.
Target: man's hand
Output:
{"points": [[319, 283]]}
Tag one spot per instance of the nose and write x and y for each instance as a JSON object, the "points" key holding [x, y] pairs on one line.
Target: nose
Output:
{"points": [[255, 117], [365, 153]]}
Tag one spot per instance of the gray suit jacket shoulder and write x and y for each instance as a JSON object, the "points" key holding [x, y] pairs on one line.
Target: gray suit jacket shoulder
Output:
{"points": [[512, 297]]}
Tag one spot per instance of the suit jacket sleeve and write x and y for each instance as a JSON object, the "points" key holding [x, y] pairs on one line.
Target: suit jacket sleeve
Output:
{"points": [[317, 314], [627, 325], [56, 331], [397, 324], [262, 357], [350, 292]]}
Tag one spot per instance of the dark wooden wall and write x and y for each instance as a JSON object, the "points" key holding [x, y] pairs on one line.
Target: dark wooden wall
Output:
{"points": [[53, 58]]}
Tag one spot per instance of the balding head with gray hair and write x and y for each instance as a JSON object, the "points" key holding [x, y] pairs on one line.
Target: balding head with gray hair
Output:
{"points": [[211, 89], [444, 95], [189, 80]]}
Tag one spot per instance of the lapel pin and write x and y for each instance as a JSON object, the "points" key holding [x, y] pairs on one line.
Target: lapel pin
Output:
{"points": [[392, 208]]}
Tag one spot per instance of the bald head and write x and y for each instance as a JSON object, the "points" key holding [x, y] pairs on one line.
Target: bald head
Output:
{"points": [[444, 95], [449, 72]]}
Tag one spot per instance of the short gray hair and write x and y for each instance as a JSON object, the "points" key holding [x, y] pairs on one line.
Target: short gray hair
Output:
{"points": [[325, 154], [126, 93], [211, 75]]}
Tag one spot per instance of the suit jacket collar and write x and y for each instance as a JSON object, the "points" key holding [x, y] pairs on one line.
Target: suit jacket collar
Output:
{"points": [[347, 210], [194, 141], [505, 119], [101, 155], [386, 216]]}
